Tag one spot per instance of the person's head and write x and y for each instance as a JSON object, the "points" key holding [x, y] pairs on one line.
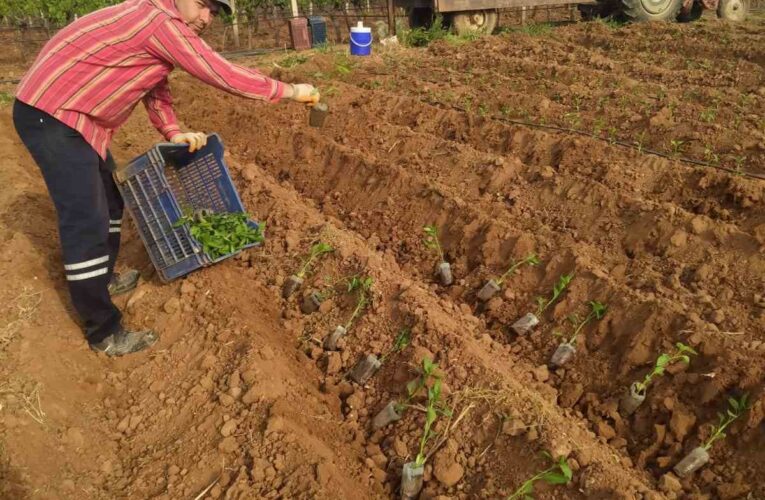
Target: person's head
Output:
{"points": [[198, 14]]}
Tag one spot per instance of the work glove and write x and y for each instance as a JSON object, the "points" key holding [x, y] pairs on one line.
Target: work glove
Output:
{"points": [[305, 93], [195, 140]]}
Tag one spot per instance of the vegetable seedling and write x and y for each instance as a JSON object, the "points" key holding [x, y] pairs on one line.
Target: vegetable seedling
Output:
{"points": [[700, 455], [558, 473], [567, 348], [412, 474], [294, 281], [443, 268], [221, 234], [495, 285], [362, 286], [637, 391], [528, 321]]}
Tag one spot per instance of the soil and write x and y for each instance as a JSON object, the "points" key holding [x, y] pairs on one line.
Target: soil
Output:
{"points": [[239, 400]]}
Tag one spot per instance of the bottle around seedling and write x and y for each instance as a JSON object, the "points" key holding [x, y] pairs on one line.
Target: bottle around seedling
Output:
{"points": [[412, 476], [330, 342], [311, 303], [318, 114], [386, 416], [364, 369]]}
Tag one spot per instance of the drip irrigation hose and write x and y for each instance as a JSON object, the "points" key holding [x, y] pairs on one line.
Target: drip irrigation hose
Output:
{"points": [[628, 145]]}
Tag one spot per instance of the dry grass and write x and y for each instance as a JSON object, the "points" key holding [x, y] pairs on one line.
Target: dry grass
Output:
{"points": [[23, 396], [17, 312]]}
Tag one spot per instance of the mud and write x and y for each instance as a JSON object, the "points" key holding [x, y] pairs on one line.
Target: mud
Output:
{"points": [[239, 395]]}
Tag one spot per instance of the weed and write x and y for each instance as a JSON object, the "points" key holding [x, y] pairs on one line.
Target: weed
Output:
{"points": [[421, 37], [572, 119], [739, 164], [222, 233], [597, 311], [316, 251], [736, 408], [558, 289], [362, 285], [292, 60], [676, 146], [536, 29], [6, 98], [609, 22], [640, 142], [402, 341], [21, 309], [431, 241], [682, 353], [530, 259], [598, 125], [483, 110], [558, 473], [709, 114], [323, 48]]}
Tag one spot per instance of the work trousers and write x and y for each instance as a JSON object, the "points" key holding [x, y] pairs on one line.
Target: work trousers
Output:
{"points": [[89, 208]]}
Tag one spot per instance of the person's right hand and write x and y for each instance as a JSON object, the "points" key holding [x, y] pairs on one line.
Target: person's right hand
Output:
{"points": [[305, 93]]}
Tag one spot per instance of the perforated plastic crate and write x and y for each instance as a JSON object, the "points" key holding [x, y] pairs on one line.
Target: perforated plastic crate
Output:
{"points": [[161, 185]]}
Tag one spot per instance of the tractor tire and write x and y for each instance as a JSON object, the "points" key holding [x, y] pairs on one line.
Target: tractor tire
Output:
{"points": [[480, 22], [651, 10], [421, 17], [592, 11], [733, 10]]}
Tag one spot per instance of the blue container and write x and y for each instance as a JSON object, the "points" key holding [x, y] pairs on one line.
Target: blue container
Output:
{"points": [[318, 30], [161, 185], [361, 40]]}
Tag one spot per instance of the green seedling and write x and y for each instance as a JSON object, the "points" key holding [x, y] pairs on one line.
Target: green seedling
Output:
{"points": [[403, 340], [682, 354], [558, 473], [222, 233], [362, 285], [434, 407], [736, 408], [316, 251], [597, 311], [677, 146], [558, 289], [531, 259], [432, 241]]}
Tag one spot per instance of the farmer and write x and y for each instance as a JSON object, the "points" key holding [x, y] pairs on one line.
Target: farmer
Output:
{"points": [[82, 87]]}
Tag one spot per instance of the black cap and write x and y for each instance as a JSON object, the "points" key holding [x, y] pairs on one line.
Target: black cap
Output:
{"points": [[225, 5]]}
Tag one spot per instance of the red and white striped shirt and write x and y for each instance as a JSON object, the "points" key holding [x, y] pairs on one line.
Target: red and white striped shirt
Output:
{"points": [[93, 72]]}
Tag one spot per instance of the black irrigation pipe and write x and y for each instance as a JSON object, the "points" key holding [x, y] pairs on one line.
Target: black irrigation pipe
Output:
{"points": [[628, 145]]}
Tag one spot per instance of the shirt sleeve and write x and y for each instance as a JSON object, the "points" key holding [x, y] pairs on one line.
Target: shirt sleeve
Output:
{"points": [[175, 43], [159, 105]]}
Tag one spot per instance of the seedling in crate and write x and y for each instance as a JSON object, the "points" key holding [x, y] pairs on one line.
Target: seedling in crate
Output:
{"points": [[567, 348], [221, 233], [412, 473], [700, 455], [362, 286], [294, 281], [528, 321], [443, 268], [637, 391], [495, 285], [559, 473]]}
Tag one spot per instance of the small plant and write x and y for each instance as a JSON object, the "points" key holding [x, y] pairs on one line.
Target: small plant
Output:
{"points": [[317, 250], [682, 354], [323, 48], [221, 233], [402, 341], [434, 406], [362, 286], [432, 241], [710, 156], [558, 289], [531, 259], [421, 37], [708, 115], [597, 311], [736, 408], [640, 142], [558, 473], [676, 146], [292, 61]]}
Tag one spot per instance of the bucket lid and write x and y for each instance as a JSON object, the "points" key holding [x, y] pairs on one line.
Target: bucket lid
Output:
{"points": [[360, 28]]}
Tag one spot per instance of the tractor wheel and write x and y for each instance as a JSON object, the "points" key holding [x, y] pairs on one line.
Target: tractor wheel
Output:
{"points": [[651, 10], [420, 17], [592, 11], [474, 22], [733, 10]]}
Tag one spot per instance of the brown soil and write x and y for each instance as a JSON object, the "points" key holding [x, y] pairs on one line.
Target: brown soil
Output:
{"points": [[239, 394]]}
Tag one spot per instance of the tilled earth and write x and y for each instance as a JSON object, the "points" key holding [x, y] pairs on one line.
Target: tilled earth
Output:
{"points": [[239, 400]]}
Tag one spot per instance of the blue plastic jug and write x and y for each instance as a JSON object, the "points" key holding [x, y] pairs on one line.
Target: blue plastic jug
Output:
{"points": [[361, 40]]}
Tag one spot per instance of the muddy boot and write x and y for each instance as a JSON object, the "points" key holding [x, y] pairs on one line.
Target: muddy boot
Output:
{"points": [[123, 282], [125, 342]]}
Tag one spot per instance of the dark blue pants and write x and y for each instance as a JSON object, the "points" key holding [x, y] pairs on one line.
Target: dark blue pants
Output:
{"points": [[89, 209]]}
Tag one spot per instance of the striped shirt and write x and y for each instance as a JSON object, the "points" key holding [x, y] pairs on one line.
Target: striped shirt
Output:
{"points": [[93, 72]]}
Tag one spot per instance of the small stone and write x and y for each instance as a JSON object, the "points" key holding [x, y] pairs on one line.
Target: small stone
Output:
{"points": [[172, 305], [679, 239], [448, 474], [334, 363], [669, 483], [228, 428], [541, 373], [682, 422], [698, 225], [228, 445], [513, 427], [547, 172], [605, 430]]}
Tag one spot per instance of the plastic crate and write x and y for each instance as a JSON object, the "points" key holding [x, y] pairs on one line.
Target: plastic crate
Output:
{"points": [[318, 28], [160, 185]]}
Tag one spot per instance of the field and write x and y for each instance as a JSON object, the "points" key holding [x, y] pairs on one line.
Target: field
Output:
{"points": [[536, 140]]}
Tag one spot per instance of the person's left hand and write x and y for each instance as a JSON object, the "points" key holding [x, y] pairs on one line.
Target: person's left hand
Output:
{"points": [[195, 140]]}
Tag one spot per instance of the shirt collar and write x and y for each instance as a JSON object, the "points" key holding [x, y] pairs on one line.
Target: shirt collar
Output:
{"points": [[168, 7]]}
